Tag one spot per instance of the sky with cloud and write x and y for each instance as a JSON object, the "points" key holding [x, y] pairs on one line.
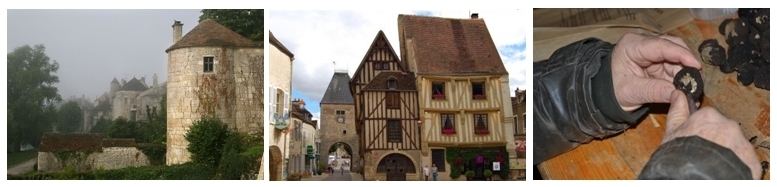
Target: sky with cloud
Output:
{"points": [[319, 38]]}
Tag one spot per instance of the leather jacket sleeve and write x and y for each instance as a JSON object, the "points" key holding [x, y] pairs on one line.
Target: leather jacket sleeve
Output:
{"points": [[694, 158], [574, 99]]}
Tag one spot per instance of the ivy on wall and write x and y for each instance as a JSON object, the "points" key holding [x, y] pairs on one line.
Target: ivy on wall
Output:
{"points": [[457, 157]]}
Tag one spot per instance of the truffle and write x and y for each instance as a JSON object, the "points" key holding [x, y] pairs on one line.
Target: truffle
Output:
{"points": [[737, 33], [746, 12], [689, 81], [725, 67], [724, 25], [712, 53], [761, 20], [762, 77], [746, 74], [739, 54], [765, 51]]}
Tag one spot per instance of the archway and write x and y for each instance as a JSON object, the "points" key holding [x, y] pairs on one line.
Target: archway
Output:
{"points": [[396, 166], [276, 163], [340, 154]]}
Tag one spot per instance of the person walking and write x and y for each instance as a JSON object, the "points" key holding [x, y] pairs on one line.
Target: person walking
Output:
{"points": [[426, 172], [341, 170], [434, 172]]}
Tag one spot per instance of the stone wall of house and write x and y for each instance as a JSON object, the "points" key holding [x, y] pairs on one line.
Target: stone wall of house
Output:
{"points": [[280, 78], [122, 108], [150, 98], [372, 159], [332, 131], [120, 157], [232, 92], [109, 158]]}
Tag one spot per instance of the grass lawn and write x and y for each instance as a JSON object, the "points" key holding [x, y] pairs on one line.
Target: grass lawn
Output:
{"points": [[21, 157]]}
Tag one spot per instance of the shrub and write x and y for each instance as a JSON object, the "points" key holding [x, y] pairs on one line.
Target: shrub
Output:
{"points": [[122, 128], [206, 139], [469, 174], [293, 177], [233, 166], [155, 153]]}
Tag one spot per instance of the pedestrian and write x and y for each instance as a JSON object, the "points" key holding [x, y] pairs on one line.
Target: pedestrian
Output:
{"points": [[434, 172], [426, 172], [341, 170]]}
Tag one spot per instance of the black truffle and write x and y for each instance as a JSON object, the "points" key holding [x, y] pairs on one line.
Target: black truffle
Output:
{"points": [[724, 25], [712, 53], [765, 51], [754, 37], [762, 77], [689, 81], [738, 32], [761, 20], [725, 67], [746, 74], [747, 12], [739, 54]]}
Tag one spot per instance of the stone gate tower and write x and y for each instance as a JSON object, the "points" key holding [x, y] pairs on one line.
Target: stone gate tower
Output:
{"points": [[212, 71], [338, 122]]}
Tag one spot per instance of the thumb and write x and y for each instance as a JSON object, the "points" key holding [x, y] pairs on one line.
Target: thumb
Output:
{"points": [[678, 111], [641, 90]]}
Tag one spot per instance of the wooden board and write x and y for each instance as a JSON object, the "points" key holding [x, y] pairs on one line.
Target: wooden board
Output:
{"points": [[623, 156]]}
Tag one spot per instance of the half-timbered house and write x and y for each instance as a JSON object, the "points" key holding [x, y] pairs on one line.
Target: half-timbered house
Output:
{"points": [[463, 95], [386, 109]]}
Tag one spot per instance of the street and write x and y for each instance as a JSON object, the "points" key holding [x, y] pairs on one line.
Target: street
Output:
{"points": [[336, 176], [22, 168]]}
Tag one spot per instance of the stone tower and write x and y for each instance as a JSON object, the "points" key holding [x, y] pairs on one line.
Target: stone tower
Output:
{"points": [[212, 71], [114, 87], [338, 122]]}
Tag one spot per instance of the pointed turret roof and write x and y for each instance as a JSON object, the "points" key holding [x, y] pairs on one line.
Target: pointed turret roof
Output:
{"points": [[211, 33], [338, 91], [115, 81]]}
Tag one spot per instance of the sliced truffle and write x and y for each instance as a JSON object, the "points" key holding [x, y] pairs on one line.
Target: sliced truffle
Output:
{"points": [[724, 25], [746, 74], [738, 32], [712, 53], [761, 20], [762, 77], [689, 81]]}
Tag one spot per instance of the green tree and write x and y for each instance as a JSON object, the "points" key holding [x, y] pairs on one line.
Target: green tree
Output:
{"points": [[71, 117], [206, 140], [102, 126], [31, 93], [122, 128], [249, 23]]}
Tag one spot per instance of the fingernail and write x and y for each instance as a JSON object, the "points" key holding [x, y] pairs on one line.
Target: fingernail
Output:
{"points": [[671, 96]]}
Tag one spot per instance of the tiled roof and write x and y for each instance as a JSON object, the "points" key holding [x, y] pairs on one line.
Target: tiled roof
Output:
{"points": [[211, 33], [274, 41], [53, 142], [405, 81], [449, 46], [338, 91], [133, 85]]}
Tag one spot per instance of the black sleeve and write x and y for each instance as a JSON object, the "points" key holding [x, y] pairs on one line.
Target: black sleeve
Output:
{"points": [[694, 158], [574, 99]]}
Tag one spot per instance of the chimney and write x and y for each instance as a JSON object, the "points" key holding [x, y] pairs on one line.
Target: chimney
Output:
{"points": [[123, 82], [155, 80], [177, 31], [474, 16], [143, 80]]}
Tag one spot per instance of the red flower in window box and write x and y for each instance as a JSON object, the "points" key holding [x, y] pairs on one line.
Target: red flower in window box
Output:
{"points": [[438, 96], [479, 96], [481, 131], [449, 131]]}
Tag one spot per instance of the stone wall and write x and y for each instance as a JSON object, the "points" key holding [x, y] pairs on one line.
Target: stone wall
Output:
{"points": [[372, 159], [331, 131], [119, 107], [232, 92], [150, 98], [85, 152], [280, 78]]}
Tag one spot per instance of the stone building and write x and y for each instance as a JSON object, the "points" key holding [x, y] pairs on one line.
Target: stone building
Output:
{"points": [[338, 126], [302, 126], [519, 132], [279, 88], [214, 71], [127, 99]]}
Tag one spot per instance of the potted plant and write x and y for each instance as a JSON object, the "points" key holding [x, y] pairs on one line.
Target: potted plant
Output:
{"points": [[293, 177], [488, 173], [469, 174]]}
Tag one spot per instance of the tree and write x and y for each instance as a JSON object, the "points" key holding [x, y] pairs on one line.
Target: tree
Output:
{"points": [[248, 23], [102, 126], [31, 93], [71, 117], [122, 128]]}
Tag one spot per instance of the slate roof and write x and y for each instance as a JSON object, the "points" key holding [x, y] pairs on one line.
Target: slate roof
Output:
{"points": [[338, 91], [211, 33], [405, 81], [447, 46], [300, 113], [133, 85], [115, 81], [274, 41], [102, 105]]}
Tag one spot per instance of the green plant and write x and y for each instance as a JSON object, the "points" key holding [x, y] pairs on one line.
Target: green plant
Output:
{"points": [[488, 173], [467, 154], [155, 153], [206, 140], [455, 173], [294, 177], [469, 174], [123, 128], [233, 166]]}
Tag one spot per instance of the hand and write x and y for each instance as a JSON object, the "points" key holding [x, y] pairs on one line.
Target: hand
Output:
{"points": [[709, 124], [643, 68]]}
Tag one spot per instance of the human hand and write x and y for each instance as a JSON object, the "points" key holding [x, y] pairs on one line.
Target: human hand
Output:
{"points": [[709, 124], [643, 68]]}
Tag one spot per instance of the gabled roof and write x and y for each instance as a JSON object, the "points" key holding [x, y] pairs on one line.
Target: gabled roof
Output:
{"points": [[102, 105], [115, 81], [449, 46], [274, 41], [133, 85], [405, 82], [211, 33], [338, 91]]}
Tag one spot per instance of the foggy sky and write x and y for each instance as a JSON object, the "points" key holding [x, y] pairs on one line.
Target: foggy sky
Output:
{"points": [[94, 46]]}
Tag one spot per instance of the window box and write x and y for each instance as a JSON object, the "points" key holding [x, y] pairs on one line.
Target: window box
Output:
{"points": [[481, 131], [449, 131], [479, 96], [438, 96]]}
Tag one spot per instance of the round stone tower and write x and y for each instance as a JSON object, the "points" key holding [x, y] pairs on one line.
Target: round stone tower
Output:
{"points": [[211, 71], [114, 87]]}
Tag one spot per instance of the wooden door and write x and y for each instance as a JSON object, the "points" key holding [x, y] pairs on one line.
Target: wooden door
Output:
{"points": [[396, 166]]}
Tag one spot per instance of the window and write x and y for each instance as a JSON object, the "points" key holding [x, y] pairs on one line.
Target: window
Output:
{"points": [[481, 124], [394, 131], [438, 159], [448, 125], [479, 90], [386, 66], [524, 123], [392, 84], [340, 112], [438, 90], [126, 101], [207, 64], [381, 65], [392, 100], [279, 96]]}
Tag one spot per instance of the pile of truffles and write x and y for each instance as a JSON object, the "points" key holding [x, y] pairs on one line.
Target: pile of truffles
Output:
{"points": [[748, 47]]}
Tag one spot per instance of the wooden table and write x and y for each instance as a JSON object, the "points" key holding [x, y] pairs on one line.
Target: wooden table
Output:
{"points": [[623, 156]]}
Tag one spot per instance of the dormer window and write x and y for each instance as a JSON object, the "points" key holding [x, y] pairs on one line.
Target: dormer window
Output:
{"points": [[438, 90], [478, 90], [392, 84]]}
